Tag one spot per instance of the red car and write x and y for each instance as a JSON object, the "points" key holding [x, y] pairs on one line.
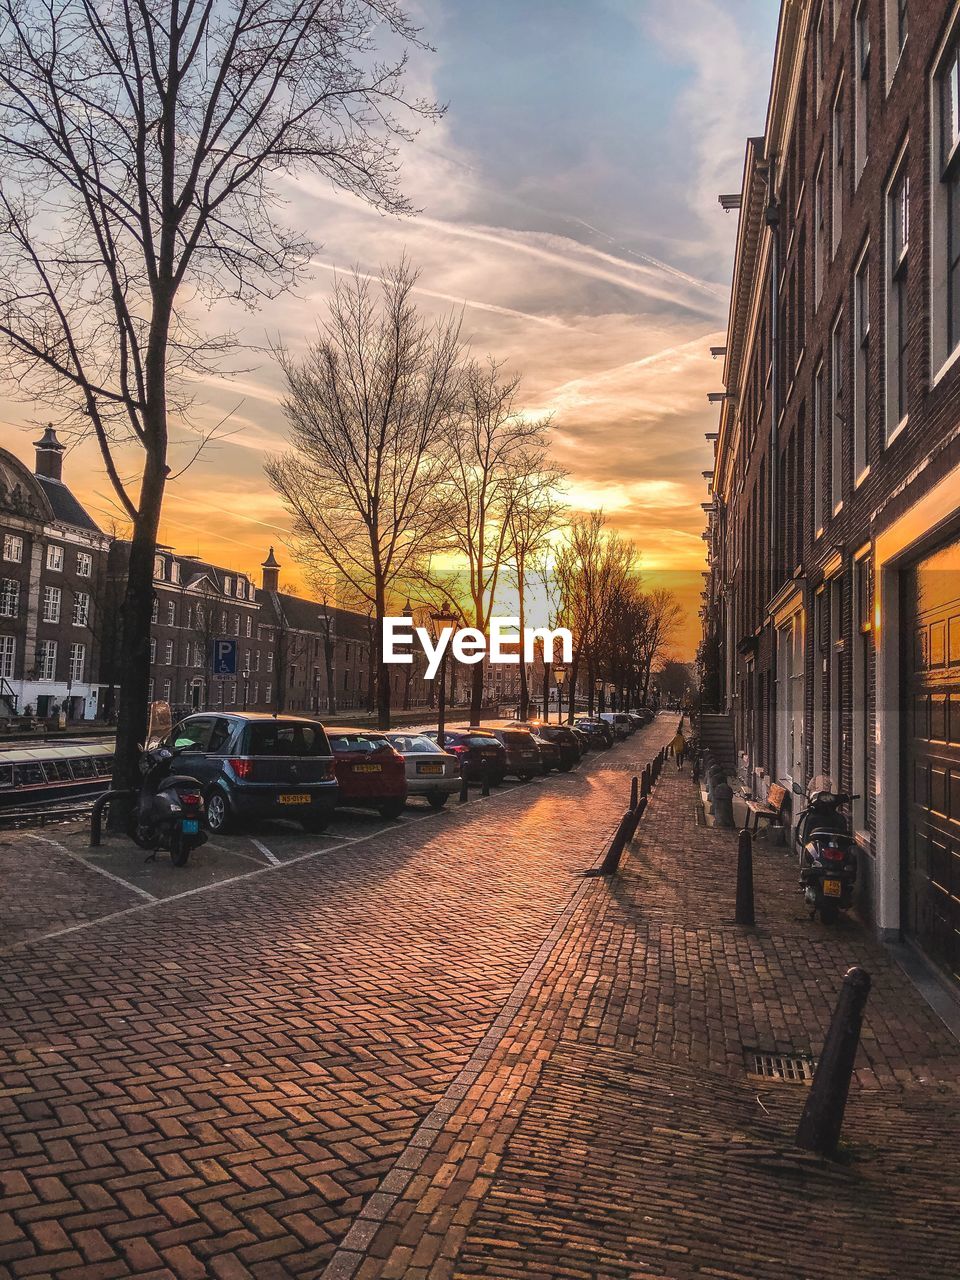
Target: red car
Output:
{"points": [[371, 773]]}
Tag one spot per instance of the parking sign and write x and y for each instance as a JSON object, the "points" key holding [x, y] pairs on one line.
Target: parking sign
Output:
{"points": [[224, 657]]}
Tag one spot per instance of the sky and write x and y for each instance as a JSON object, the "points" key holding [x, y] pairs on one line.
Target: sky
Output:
{"points": [[568, 203]]}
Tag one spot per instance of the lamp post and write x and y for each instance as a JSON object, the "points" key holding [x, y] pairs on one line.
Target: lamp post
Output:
{"points": [[601, 704], [442, 619], [560, 672]]}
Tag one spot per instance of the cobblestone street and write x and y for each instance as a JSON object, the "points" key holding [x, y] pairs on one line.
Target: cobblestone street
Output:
{"points": [[433, 1049]]}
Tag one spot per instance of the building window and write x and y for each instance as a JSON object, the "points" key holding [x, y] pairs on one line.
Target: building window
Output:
{"points": [[838, 153], [166, 690], [254, 692], [249, 627], [246, 662], [154, 610], [945, 277], [233, 692], [46, 659], [51, 604], [9, 598], [267, 692], [84, 564], [269, 661], [236, 625], [836, 414], [55, 557], [153, 649], [227, 586], [175, 571], [819, 234], [862, 753], [256, 661], [78, 653], [150, 689], [898, 319], [158, 568], [8, 653], [81, 609], [818, 451], [171, 613], [198, 655], [241, 588], [861, 367], [861, 104], [13, 548], [168, 653]]}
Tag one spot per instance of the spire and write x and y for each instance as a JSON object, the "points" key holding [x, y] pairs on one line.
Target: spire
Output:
{"points": [[49, 455], [271, 572]]}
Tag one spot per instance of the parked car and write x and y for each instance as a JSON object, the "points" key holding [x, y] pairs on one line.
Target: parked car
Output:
{"points": [[479, 752], [549, 753], [562, 738], [431, 772], [599, 732], [371, 772], [257, 766], [619, 722], [637, 719], [523, 754], [583, 739]]}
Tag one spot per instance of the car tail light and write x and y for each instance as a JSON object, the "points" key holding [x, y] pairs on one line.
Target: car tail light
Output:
{"points": [[457, 748], [192, 799], [832, 854], [241, 767]]}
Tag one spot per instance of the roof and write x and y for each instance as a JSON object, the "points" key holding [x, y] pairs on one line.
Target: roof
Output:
{"points": [[307, 615], [64, 505]]}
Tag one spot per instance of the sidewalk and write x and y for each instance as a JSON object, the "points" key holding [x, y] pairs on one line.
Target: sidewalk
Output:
{"points": [[609, 1125]]}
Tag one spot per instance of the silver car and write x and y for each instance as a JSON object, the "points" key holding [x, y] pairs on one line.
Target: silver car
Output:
{"points": [[431, 772]]}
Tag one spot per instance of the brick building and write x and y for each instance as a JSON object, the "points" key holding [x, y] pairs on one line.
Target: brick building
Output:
{"points": [[832, 605], [52, 565]]}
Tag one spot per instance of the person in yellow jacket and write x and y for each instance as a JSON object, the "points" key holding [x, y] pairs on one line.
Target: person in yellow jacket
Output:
{"points": [[679, 747]]}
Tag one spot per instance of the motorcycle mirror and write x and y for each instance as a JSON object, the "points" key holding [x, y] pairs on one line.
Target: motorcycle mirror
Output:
{"points": [[140, 746], [797, 789]]}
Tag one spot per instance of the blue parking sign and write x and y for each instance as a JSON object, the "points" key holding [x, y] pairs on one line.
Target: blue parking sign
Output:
{"points": [[224, 657]]}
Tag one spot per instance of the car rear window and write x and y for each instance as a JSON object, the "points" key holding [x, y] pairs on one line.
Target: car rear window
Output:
{"points": [[366, 742], [482, 740], [411, 743], [516, 737], [272, 738]]}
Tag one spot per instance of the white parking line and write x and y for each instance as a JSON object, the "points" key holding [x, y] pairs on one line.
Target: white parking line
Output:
{"points": [[62, 848], [270, 857]]}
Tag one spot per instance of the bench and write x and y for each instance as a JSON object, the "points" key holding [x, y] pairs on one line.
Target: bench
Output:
{"points": [[769, 810]]}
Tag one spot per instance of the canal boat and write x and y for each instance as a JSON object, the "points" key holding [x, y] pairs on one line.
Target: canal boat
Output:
{"points": [[36, 776]]}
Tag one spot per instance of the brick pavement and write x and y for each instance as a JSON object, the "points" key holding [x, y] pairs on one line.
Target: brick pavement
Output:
{"points": [[214, 1085], [612, 1129]]}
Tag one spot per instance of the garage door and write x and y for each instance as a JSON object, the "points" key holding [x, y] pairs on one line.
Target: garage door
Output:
{"points": [[931, 756]]}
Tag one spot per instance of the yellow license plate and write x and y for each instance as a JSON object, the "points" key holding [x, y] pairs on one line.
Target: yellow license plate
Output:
{"points": [[299, 798], [831, 888], [431, 768], [366, 768]]}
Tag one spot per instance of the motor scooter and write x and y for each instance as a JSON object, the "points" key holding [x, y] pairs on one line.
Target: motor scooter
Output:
{"points": [[169, 810], [827, 851]]}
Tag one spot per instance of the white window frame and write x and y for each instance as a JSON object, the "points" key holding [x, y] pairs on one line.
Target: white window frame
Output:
{"points": [[819, 231], [158, 569], [863, 58], [166, 690], [9, 598], [837, 384], [46, 660], [8, 656], [895, 46], [84, 564], [168, 653], [55, 557], [153, 649], [52, 598], [13, 548], [228, 586], [860, 336], [81, 609], [944, 234], [896, 396], [838, 166], [819, 452], [77, 661]]}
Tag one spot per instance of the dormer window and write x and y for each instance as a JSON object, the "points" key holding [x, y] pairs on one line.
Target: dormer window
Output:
{"points": [[228, 586], [158, 568], [240, 588]]}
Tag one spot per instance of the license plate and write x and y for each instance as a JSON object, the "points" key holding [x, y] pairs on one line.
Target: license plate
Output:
{"points": [[831, 888], [430, 768], [190, 826], [366, 768], [295, 799]]}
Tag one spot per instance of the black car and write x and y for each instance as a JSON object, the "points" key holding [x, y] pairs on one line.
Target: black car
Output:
{"points": [[480, 754], [562, 738], [598, 731], [523, 754], [258, 766]]}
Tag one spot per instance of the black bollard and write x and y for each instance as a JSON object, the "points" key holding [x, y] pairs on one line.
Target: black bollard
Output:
{"points": [[635, 817], [634, 791], [464, 791], [723, 806], [822, 1119], [645, 781], [485, 784], [612, 860], [744, 913], [96, 817]]}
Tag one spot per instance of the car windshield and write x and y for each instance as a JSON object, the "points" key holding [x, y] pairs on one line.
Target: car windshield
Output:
{"points": [[516, 737], [482, 740], [365, 742], [413, 744], [276, 738]]}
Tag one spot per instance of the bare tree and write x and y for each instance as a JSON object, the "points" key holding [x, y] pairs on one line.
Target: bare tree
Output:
{"points": [[371, 407], [494, 443], [535, 510], [139, 146]]}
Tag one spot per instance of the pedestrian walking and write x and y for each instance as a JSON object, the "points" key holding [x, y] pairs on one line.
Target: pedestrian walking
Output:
{"points": [[679, 746]]}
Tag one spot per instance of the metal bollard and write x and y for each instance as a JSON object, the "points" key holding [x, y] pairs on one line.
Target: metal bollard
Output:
{"points": [[822, 1119], [634, 791], [744, 913], [645, 781], [723, 806], [464, 791], [635, 817], [485, 784], [612, 860], [96, 817]]}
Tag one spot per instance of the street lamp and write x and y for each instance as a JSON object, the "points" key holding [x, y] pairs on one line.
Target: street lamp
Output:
{"points": [[601, 706], [560, 672], [442, 619]]}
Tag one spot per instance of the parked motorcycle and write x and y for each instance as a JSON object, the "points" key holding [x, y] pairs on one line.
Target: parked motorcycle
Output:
{"points": [[169, 808], [827, 850]]}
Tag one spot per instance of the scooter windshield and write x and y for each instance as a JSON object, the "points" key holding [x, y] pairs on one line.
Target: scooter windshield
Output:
{"points": [[159, 724], [819, 784]]}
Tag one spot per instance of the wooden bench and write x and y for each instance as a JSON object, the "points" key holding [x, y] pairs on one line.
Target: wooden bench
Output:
{"points": [[769, 810]]}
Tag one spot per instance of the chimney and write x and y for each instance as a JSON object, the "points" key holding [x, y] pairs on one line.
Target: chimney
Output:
{"points": [[49, 455], [271, 572]]}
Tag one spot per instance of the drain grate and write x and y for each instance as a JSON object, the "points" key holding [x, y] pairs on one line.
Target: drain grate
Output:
{"points": [[794, 1068]]}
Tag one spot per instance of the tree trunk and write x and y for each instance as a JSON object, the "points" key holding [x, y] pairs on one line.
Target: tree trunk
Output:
{"points": [[572, 687], [383, 671], [331, 677], [591, 681], [476, 693], [546, 689]]}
